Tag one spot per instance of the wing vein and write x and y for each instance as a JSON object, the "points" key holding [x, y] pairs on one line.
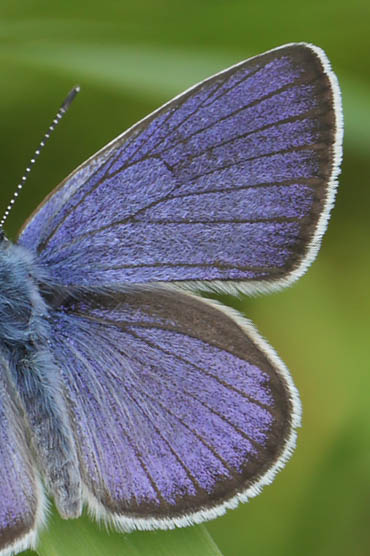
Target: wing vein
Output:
{"points": [[313, 112], [158, 431], [201, 370], [130, 441], [196, 434], [212, 91]]}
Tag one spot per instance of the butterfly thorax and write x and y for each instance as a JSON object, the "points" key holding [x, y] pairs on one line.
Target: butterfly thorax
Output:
{"points": [[22, 309]]}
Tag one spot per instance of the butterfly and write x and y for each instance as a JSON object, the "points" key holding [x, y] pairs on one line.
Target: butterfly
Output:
{"points": [[120, 387]]}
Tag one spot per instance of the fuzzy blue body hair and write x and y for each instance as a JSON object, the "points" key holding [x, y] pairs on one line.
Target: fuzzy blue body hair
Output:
{"points": [[37, 390]]}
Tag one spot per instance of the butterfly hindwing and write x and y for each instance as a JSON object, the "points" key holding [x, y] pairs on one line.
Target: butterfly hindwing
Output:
{"points": [[231, 181], [21, 500], [179, 408]]}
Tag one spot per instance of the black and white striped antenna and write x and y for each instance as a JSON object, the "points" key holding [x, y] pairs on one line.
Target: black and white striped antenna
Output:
{"points": [[59, 115]]}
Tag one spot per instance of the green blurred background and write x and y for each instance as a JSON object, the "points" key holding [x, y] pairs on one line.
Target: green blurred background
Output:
{"points": [[129, 57]]}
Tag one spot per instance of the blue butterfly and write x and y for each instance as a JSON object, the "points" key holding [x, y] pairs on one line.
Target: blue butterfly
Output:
{"points": [[119, 387]]}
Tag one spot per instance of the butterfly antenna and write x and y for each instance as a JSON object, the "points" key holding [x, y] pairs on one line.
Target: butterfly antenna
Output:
{"points": [[59, 115]]}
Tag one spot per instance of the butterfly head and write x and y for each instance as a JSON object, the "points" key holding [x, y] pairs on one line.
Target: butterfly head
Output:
{"points": [[4, 241]]}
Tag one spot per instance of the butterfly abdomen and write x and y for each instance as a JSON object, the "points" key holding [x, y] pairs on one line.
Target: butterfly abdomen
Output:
{"points": [[24, 333]]}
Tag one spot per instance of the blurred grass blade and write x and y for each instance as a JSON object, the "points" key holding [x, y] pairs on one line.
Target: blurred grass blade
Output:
{"points": [[152, 71], [84, 538], [146, 69]]}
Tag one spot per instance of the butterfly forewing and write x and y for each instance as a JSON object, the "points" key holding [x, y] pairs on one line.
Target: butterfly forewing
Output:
{"points": [[232, 180], [178, 409]]}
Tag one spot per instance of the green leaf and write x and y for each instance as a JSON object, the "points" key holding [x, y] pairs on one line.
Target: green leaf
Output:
{"points": [[82, 537]]}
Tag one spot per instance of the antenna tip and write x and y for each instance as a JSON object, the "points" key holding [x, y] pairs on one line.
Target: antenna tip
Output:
{"points": [[70, 97]]}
